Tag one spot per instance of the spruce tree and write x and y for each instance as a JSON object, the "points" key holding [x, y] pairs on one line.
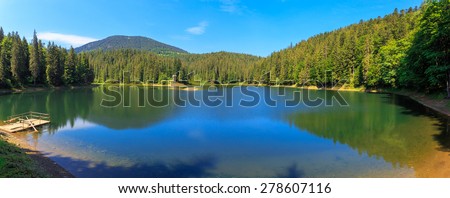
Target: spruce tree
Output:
{"points": [[35, 59], [19, 60], [53, 70], [70, 76], [2, 35], [5, 62]]}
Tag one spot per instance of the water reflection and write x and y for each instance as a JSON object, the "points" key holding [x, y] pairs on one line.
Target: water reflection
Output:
{"points": [[394, 128], [292, 171], [66, 105], [194, 168], [376, 135]]}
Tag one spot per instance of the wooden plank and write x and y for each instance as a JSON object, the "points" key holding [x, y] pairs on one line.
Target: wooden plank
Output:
{"points": [[31, 123]]}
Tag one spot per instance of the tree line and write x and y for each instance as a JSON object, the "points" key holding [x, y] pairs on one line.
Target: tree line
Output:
{"points": [[137, 66], [32, 64], [407, 48]]}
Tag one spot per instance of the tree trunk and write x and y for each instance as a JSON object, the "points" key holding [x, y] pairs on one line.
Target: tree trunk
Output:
{"points": [[448, 84]]}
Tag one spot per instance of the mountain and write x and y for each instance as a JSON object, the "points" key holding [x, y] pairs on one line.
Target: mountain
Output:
{"points": [[130, 42]]}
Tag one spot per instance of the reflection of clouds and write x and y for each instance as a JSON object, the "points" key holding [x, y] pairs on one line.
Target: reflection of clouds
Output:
{"points": [[77, 125], [196, 134]]}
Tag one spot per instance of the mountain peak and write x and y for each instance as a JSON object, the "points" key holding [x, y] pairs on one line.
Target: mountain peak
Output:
{"points": [[130, 42]]}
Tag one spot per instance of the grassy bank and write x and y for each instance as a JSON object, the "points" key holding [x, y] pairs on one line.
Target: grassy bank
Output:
{"points": [[15, 163]]}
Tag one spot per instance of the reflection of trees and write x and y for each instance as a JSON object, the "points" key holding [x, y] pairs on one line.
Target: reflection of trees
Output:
{"points": [[62, 105], [134, 116], [378, 128], [67, 105], [292, 171]]}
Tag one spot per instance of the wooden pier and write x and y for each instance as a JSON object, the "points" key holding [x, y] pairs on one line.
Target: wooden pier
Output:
{"points": [[25, 121]]}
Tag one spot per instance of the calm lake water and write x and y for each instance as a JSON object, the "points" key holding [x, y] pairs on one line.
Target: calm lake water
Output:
{"points": [[375, 135]]}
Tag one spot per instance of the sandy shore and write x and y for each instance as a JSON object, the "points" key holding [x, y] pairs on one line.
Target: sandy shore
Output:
{"points": [[441, 106], [54, 170], [46, 164], [438, 105]]}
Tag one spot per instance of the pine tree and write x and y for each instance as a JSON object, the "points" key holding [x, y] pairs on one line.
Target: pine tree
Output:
{"points": [[427, 63], [35, 60], [2, 35], [70, 76], [54, 71], [85, 73], [42, 78], [5, 62], [19, 60], [25, 51]]}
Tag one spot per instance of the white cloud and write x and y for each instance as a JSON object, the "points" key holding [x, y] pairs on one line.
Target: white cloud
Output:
{"points": [[231, 6], [199, 29], [68, 39]]}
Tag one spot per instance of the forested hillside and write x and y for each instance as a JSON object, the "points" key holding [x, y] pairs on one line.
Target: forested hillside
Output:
{"points": [[130, 42], [23, 63], [408, 48], [147, 67], [360, 54]]}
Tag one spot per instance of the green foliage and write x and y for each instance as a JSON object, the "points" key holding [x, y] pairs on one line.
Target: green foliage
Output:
{"points": [[364, 54], [36, 65], [70, 72], [130, 42], [408, 48], [5, 62], [23, 64], [427, 62], [55, 67], [19, 59], [223, 67], [148, 67]]}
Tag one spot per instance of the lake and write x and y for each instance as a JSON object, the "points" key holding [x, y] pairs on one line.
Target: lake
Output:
{"points": [[371, 135]]}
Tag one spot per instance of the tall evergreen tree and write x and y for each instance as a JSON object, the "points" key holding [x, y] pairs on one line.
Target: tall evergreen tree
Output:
{"points": [[54, 69], [35, 60], [427, 63], [19, 60], [2, 34], [70, 76], [5, 62], [42, 78], [25, 50]]}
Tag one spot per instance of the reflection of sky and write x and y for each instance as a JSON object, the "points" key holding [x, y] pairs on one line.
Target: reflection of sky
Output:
{"points": [[255, 141], [253, 147], [376, 135], [79, 124]]}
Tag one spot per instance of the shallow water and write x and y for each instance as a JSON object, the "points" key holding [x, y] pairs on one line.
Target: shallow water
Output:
{"points": [[375, 135]]}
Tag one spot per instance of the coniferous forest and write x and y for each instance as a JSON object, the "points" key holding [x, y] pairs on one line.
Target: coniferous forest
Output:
{"points": [[407, 48], [23, 63]]}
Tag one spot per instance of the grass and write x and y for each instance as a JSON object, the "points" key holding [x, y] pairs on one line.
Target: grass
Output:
{"points": [[14, 163]]}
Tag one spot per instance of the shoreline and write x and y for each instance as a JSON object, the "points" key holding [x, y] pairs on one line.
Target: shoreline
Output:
{"points": [[47, 165], [38, 89], [441, 106]]}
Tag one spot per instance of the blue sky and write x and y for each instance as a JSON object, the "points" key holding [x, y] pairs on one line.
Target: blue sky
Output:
{"points": [[198, 26]]}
